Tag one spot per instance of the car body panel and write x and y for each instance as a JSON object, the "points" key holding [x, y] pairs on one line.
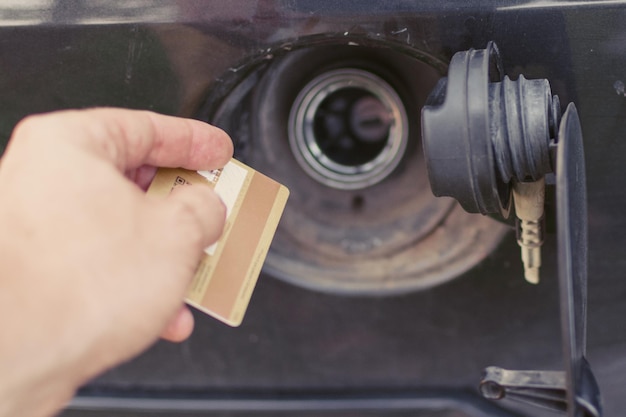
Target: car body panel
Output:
{"points": [[171, 56]]}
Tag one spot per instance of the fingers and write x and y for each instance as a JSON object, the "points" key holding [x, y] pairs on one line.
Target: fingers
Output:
{"points": [[180, 326], [194, 217], [131, 138]]}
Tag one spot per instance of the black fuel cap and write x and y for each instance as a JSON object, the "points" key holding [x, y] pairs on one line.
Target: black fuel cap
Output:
{"points": [[481, 129]]}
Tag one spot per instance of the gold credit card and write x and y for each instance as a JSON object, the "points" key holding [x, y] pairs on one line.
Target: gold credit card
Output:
{"points": [[229, 270]]}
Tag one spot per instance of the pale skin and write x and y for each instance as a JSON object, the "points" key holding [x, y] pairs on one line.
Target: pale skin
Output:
{"points": [[92, 270]]}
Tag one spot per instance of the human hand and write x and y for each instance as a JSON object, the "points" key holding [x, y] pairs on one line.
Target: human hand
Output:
{"points": [[92, 270]]}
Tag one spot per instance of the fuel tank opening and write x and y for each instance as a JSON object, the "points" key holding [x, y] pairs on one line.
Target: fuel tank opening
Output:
{"points": [[348, 128]]}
